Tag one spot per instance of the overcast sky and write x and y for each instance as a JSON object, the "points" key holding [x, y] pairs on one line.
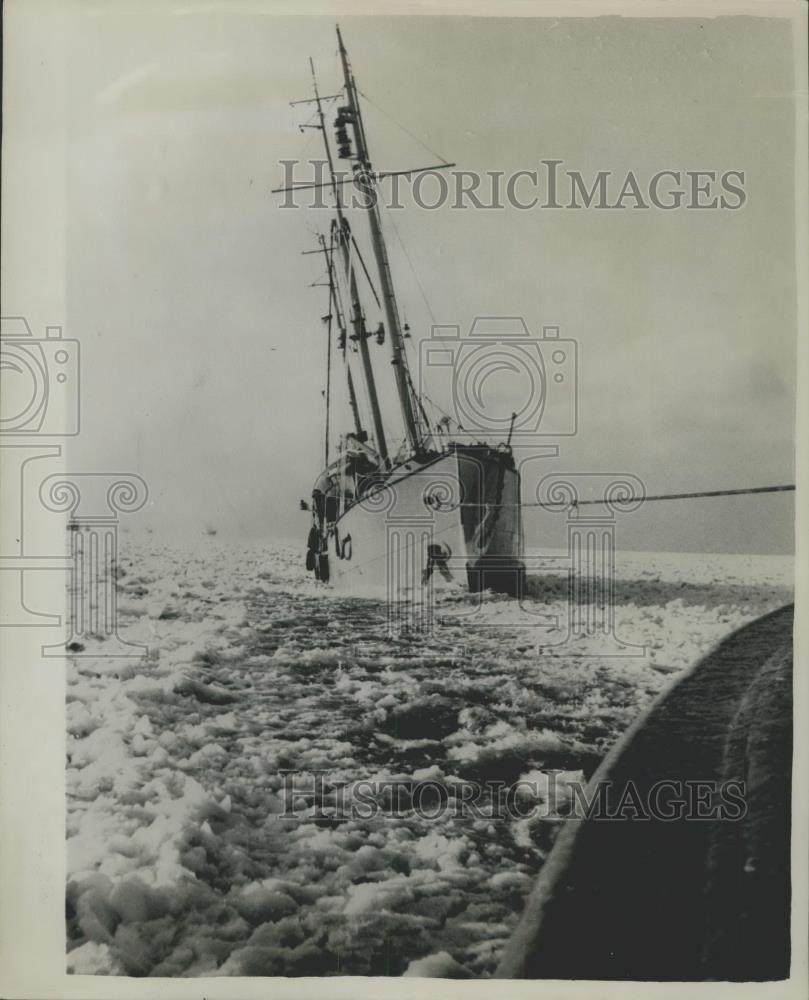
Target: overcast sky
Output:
{"points": [[203, 351]]}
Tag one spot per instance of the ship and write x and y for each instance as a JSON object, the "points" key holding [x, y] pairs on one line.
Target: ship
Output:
{"points": [[438, 509]]}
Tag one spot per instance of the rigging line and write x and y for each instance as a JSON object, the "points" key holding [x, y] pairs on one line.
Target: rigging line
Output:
{"points": [[412, 267], [318, 281], [338, 300], [402, 127], [430, 429], [365, 271], [440, 409], [402, 445], [617, 500]]}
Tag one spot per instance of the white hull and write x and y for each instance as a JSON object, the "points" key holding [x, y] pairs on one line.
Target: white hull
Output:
{"points": [[432, 525]]}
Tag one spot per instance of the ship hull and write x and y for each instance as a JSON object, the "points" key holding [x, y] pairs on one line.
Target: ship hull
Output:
{"points": [[452, 521]]}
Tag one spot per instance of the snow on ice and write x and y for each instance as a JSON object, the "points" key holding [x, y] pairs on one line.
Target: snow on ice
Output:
{"points": [[180, 860]]}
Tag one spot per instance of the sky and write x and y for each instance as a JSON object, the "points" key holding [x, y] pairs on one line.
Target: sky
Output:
{"points": [[203, 351]]}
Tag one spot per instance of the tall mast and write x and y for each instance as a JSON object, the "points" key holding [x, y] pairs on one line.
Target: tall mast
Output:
{"points": [[404, 386], [357, 318], [335, 306], [329, 317]]}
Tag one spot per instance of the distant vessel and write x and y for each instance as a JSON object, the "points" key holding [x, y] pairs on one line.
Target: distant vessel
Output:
{"points": [[436, 510]]}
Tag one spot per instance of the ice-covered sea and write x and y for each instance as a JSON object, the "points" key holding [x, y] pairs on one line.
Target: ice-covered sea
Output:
{"points": [[180, 862]]}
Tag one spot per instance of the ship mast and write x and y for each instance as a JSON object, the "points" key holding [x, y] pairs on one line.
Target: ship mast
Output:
{"points": [[408, 401], [336, 311], [352, 394], [357, 317]]}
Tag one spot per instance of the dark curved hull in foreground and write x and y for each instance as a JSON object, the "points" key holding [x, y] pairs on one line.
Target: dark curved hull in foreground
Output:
{"points": [[683, 898]]}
